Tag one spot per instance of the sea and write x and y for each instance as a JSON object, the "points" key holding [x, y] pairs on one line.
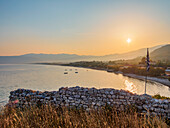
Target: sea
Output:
{"points": [[52, 77]]}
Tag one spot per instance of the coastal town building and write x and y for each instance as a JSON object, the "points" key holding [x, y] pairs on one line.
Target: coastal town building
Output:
{"points": [[125, 67], [158, 68], [152, 63], [167, 71]]}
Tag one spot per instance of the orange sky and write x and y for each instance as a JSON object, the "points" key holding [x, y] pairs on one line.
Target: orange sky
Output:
{"points": [[88, 28]]}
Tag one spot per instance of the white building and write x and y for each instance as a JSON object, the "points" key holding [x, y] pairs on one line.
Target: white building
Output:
{"points": [[167, 71]]}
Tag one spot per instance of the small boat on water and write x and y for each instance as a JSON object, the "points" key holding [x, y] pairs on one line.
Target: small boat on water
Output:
{"points": [[65, 72], [110, 70]]}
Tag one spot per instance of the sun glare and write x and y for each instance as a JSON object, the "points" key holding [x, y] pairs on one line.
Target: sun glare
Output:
{"points": [[128, 40], [130, 86]]}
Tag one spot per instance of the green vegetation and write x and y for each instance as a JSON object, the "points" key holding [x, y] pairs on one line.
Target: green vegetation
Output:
{"points": [[51, 117], [124, 66], [158, 96], [139, 71], [89, 64]]}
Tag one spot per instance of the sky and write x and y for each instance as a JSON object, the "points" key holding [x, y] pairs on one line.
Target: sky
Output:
{"points": [[84, 27]]}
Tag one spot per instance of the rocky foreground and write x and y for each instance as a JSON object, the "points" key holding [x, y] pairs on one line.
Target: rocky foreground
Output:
{"points": [[87, 98]]}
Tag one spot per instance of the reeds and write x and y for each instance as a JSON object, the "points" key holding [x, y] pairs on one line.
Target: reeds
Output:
{"points": [[61, 117]]}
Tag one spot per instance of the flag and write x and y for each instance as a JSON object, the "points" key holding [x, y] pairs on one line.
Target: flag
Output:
{"points": [[147, 60]]}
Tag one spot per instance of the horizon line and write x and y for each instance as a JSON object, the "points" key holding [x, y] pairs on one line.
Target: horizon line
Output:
{"points": [[83, 54]]}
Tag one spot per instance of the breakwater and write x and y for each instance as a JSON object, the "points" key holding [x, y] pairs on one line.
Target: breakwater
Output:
{"points": [[87, 98]]}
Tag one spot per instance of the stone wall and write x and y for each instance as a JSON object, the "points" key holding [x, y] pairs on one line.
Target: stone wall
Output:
{"points": [[88, 98]]}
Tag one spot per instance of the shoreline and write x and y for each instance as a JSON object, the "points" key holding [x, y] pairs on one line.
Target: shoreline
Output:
{"points": [[151, 79], [165, 82]]}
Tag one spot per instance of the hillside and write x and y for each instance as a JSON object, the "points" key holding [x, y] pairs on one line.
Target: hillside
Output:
{"points": [[162, 53]]}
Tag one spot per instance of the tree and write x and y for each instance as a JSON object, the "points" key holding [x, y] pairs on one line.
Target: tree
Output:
{"points": [[143, 60]]}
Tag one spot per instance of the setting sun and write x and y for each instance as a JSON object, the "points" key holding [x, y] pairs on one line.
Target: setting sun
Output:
{"points": [[128, 40]]}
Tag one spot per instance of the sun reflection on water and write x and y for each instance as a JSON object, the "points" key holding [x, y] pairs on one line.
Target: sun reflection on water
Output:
{"points": [[130, 86]]}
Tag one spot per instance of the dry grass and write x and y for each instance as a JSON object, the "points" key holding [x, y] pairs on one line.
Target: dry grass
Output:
{"points": [[49, 117]]}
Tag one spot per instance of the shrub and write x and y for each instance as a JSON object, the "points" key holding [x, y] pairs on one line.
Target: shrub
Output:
{"points": [[158, 96]]}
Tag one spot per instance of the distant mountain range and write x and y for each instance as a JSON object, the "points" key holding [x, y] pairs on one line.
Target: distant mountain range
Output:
{"points": [[157, 53]]}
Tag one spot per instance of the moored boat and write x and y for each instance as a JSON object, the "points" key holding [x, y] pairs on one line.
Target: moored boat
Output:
{"points": [[65, 72]]}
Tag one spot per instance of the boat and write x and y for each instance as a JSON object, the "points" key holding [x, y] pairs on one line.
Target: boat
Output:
{"points": [[65, 72], [110, 70]]}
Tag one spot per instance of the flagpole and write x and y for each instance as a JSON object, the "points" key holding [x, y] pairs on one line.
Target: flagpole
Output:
{"points": [[147, 67], [145, 81]]}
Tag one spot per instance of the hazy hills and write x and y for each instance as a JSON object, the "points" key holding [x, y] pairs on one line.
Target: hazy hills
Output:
{"points": [[157, 52], [130, 55], [162, 53]]}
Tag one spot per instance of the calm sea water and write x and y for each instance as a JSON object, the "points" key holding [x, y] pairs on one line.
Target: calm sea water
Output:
{"points": [[48, 77]]}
